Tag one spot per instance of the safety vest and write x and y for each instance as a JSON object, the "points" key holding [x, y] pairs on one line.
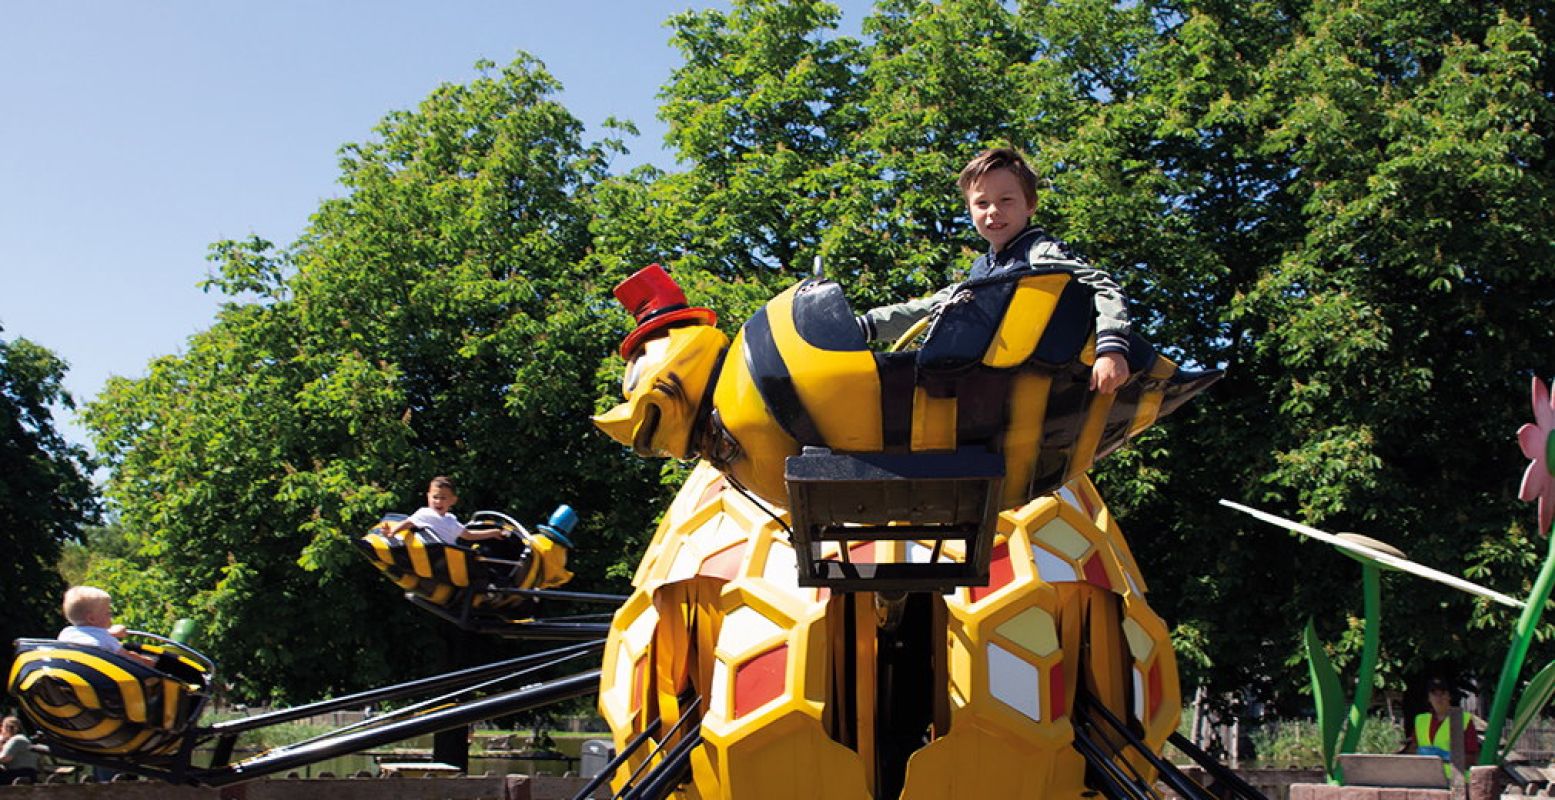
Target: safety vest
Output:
{"points": [[1439, 745]]}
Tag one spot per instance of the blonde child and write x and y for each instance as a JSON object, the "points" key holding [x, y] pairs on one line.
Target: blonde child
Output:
{"points": [[90, 613]]}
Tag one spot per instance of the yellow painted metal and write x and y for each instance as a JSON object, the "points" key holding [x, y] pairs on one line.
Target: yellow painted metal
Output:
{"points": [[130, 690], [1023, 438], [1163, 721], [132, 745], [833, 398], [380, 545], [786, 675], [1146, 413], [52, 710], [694, 619], [458, 566], [1031, 306], [102, 729], [170, 696], [865, 686], [420, 561], [551, 561], [1090, 436], [105, 703], [838, 388], [83, 690], [978, 761], [933, 422], [744, 414], [663, 388]]}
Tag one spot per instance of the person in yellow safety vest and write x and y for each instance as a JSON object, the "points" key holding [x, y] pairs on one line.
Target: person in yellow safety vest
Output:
{"points": [[1433, 738]]}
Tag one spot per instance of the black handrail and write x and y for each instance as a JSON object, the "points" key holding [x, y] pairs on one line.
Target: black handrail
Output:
{"points": [[1116, 784], [615, 763], [1090, 711], [398, 690], [179, 771], [692, 703], [454, 716], [540, 628], [1210, 765], [559, 594], [670, 773]]}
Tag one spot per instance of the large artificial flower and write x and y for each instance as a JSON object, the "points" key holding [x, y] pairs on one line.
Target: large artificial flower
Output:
{"points": [[1537, 439]]}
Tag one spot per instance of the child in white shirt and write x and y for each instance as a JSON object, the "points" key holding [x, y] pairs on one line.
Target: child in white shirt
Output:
{"points": [[90, 613], [436, 516]]}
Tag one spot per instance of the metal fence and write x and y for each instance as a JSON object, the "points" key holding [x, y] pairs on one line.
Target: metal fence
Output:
{"points": [[1537, 743]]}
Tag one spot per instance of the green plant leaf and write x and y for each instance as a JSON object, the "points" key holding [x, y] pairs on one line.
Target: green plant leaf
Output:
{"points": [[1328, 697], [1534, 699]]}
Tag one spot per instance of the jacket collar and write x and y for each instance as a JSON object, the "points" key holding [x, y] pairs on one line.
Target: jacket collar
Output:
{"points": [[1016, 245]]}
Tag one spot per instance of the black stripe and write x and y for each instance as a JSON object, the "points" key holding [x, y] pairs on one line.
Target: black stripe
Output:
{"points": [[1068, 400], [773, 381], [966, 324], [1067, 329], [897, 372], [982, 398]]}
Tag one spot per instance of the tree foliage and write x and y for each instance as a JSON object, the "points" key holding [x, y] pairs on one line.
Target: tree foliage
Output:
{"points": [[1346, 203], [46, 494], [434, 319]]}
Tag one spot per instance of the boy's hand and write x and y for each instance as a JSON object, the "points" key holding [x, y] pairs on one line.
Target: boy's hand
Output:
{"points": [[1110, 371], [117, 631]]}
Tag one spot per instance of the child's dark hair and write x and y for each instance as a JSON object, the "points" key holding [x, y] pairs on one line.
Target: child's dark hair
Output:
{"points": [[443, 482], [999, 158]]}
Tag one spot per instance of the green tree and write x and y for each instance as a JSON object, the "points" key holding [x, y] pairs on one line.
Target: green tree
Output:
{"points": [[1344, 202], [435, 318], [46, 495], [1347, 204], [761, 113]]}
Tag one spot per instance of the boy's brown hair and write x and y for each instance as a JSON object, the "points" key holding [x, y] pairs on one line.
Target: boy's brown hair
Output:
{"points": [[443, 482], [999, 158]]}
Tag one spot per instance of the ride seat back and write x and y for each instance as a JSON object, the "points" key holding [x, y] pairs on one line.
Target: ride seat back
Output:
{"points": [[88, 699]]}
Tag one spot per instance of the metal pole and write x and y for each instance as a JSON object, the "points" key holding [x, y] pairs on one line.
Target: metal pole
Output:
{"points": [[398, 690], [282, 759]]}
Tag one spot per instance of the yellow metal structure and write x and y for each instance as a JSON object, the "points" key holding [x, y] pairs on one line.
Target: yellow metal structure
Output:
{"points": [[106, 703], [1012, 378], [801, 691], [786, 675], [449, 575]]}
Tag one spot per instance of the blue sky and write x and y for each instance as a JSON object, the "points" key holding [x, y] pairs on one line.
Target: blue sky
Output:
{"points": [[134, 134]]}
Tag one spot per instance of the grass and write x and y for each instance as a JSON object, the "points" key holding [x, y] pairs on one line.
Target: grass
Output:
{"points": [[1296, 743]]}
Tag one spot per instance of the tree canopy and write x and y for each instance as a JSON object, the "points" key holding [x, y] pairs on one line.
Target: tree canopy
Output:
{"points": [[438, 318], [46, 493], [1345, 203]]}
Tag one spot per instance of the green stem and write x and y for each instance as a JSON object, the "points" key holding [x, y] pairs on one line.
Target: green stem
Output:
{"points": [[1490, 752], [1366, 676]]}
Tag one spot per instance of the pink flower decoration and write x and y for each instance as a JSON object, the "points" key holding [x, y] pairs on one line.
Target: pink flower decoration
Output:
{"points": [[1535, 438]]}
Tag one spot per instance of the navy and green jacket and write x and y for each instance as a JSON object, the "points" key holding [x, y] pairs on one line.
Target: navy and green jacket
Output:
{"points": [[1031, 247]]}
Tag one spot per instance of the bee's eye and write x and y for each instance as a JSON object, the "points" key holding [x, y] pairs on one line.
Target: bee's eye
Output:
{"points": [[629, 380], [650, 356]]}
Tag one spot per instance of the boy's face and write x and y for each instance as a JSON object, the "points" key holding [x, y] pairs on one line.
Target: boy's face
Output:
{"points": [[999, 207], [440, 499]]}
